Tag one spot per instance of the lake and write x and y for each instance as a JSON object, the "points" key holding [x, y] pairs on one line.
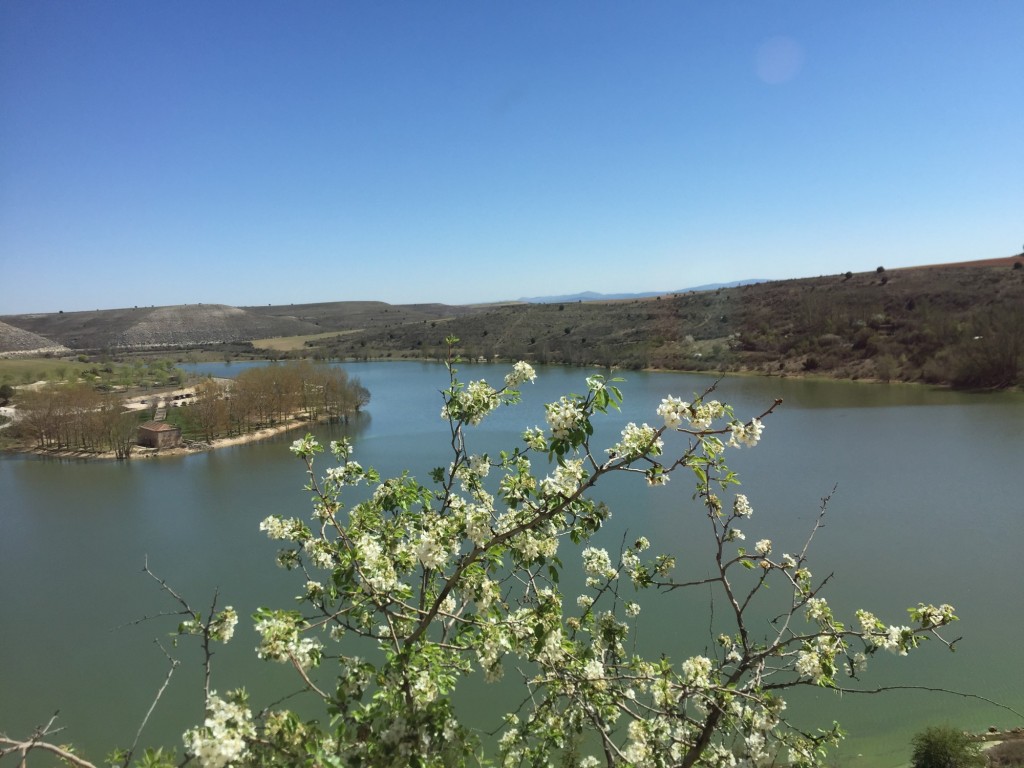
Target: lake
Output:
{"points": [[927, 507]]}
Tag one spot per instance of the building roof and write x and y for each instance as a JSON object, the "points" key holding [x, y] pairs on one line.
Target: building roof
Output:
{"points": [[159, 426]]}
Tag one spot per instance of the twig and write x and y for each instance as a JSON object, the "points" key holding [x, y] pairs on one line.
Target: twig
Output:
{"points": [[305, 677], [35, 742], [174, 665], [931, 689]]}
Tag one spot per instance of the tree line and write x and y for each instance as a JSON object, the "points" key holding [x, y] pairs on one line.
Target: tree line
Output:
{"points": [[78, 417], [267, 395], [75, 417]]}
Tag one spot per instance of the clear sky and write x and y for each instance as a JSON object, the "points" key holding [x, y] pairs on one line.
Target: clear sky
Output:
{"points": [[254, 152]]}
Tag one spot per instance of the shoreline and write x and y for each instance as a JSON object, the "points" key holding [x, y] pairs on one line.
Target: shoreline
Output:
{"points": [[185, 449]]}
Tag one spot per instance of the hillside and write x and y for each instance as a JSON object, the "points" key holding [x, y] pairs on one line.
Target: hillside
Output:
{"points": [[148, 327], [960, 324], [349, 315], [17, 342], [955, 324]]}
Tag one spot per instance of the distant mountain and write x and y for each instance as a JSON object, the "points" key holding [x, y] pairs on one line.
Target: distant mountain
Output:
{"points": [[592, 296]]}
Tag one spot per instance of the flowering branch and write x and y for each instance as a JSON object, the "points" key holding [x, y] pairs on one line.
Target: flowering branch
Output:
{"points": [[437, 580]]}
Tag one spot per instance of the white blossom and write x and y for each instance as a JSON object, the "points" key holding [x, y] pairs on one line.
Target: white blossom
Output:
{"points": [[597, 563], [808, 664], [535, 439], [280, 641], [747, 435], [563, 417], [741, 506], [593, 670], [222, 737], [673, 411], [696, 671], [705, 414], [319, 552], [222, 626], [817, 609], [430, 552], [637, 441], [565, 480], [521, 372]]}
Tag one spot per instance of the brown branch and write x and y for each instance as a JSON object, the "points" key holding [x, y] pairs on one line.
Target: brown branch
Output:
{"points": [[305, 677], [35, 742], [931, 689]]}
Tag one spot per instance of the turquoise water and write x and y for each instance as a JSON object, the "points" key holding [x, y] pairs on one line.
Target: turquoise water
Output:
{"points": [[927, 507]]}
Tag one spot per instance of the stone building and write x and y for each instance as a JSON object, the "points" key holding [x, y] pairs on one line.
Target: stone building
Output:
{"points": [[158, 434]]}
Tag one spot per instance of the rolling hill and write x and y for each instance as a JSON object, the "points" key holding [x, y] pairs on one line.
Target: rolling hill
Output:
{"points": [[960, 323]]}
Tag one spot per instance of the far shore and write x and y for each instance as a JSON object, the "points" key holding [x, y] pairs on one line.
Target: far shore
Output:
{"points": [[198, 446], [185, 448]]}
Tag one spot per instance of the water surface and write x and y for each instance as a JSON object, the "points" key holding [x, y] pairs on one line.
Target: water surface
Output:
{"points": [[927, 507]]}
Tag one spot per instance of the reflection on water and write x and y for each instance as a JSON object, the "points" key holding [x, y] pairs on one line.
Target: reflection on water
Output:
{"points": [[926, 507]]}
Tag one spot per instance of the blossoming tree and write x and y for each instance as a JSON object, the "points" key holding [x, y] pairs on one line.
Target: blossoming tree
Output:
{"points": [[414, 586]]}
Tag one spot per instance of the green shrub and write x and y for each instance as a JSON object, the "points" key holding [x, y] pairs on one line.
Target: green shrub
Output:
{"points": [[942, 746]]}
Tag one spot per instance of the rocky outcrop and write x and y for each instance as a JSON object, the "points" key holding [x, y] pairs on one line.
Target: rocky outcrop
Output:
{"points": [[17, 342]]}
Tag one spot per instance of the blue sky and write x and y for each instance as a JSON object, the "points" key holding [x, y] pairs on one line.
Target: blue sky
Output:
{"points": [[269, 152]]}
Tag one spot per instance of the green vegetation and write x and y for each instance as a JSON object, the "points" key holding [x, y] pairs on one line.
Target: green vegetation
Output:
{"points": [[943, 746], [105, 374]]}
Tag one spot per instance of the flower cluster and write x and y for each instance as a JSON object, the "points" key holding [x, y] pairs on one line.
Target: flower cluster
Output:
{"points": [[563, 417], [221, 739], [284, 528], [280, 639], [378, 571], [521, 372], [818, 610], [817, 659], [637, 441], [430, 552], [930, 616], [222, 626], [741, 506], [699, 415], [673, 411], [697, 671], [565, 480], [471, 404], [598, 564], [704, 415], [745, 434], [534, 438], [305, 447]]}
